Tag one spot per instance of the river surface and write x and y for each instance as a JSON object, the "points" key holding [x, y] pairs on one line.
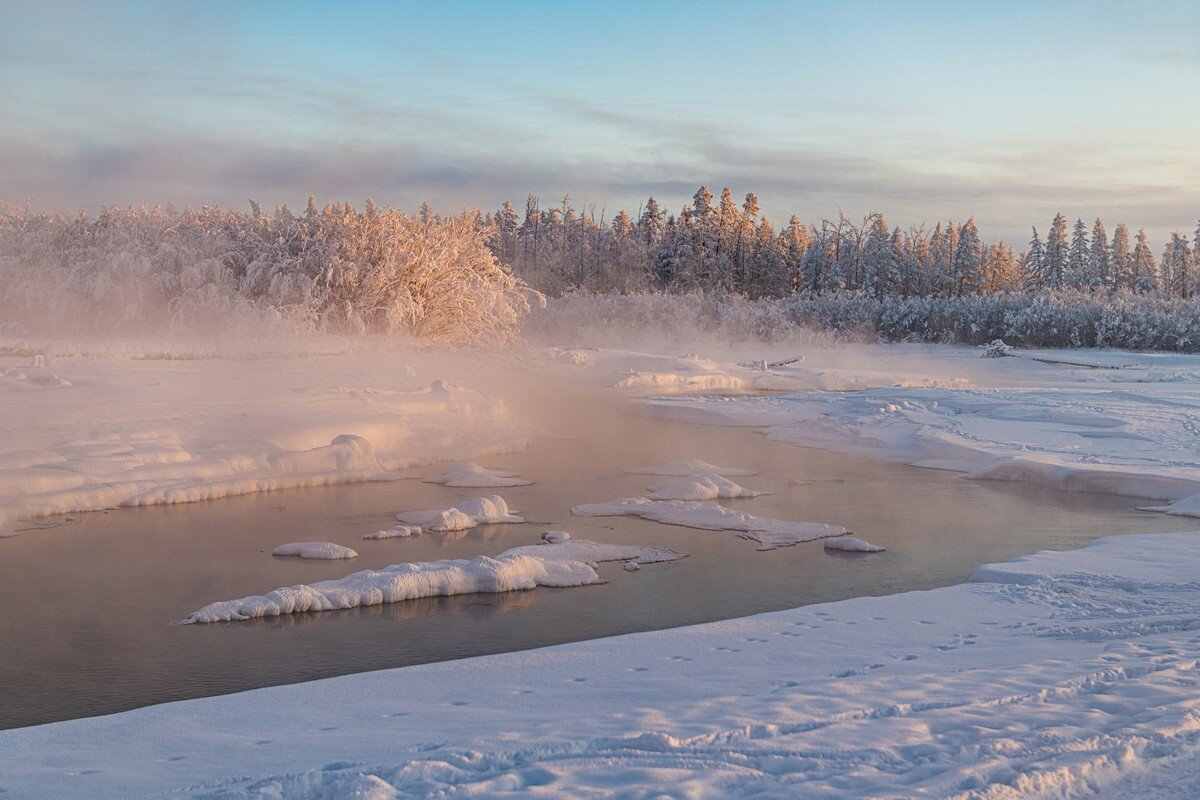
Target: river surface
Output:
{"points": [[86, 605]]}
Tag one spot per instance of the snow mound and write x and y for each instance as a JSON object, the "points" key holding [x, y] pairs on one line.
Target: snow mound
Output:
{"points": [[700, 487], [460, 516], [852, 544], [769, 533], [596, 552], [18, 377], [632, 566], [506, 573], [468, 474], [554, 537], [690, 468], [397, 532], [318, 550]]}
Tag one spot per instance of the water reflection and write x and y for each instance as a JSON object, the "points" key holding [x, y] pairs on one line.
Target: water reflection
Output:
{"points": [[85, 607]]}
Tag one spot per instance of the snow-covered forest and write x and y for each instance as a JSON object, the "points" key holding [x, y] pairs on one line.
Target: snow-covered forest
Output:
{"points": [[471, 278], [719, 245], [336, 269]]}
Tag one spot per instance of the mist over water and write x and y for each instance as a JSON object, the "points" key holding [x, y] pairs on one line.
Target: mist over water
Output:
{"points": [[109, 584]]}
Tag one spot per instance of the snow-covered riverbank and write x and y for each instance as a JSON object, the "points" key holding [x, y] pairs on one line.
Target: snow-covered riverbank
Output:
{"points": [[1081, 420], [1059, 674], [88, 433]]}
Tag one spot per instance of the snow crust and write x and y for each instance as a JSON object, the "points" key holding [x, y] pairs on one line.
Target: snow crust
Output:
{"points": [[507, 572], [316, 550], [396, 532], [1056, 675], [700, 487], [1092, 421], [852, 544], [596, 552], [175, 431], [769, 533], [464, 515], [468, 474]]}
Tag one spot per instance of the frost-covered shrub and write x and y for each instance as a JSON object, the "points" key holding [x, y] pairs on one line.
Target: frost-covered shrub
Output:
{"points": [[337, 270], [1066, 318]]}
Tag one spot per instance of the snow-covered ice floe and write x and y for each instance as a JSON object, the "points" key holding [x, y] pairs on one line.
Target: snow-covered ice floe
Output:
{"points": [[684, 469], [460, 516], [1061, 674], [596, 552], [852, 544], [769, 533], [467, 474], [395, 532], [507, 572], [316, 550], [700, 487]]}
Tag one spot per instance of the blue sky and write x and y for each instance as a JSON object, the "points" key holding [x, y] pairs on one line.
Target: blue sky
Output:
{"points": [[1006, 110]]}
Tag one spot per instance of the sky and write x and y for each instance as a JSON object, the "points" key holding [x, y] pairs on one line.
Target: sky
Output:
{"points": [[1009, 111]]}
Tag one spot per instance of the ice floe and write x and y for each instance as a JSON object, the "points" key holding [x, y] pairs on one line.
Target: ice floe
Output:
{"points": [[468, 474], [769, 533], [505, 573], [694, 467], [395, 532], [852, 544], [315, 550], [460, 516], [588, 551], [700, 487]]}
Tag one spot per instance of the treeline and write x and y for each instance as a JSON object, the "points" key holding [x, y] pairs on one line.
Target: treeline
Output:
{"points": [[720, 246], [335, 269], [1067, 318]]}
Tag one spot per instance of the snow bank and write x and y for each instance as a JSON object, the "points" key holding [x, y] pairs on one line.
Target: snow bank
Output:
{"points": [[316, 550], [396, 532], [1059, 674], [467, 474], [506, 573], [176, 431], [852, 544], [769, 533], [693, 467], [597, 552], [1127, 429], [460, 516], [700, 487]]}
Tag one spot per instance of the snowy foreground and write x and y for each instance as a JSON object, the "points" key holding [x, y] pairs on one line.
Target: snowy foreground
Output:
{"points": [[1060, 674]]}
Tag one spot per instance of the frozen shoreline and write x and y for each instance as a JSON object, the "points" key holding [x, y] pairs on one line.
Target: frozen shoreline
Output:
{"points": [[1058, 673], [1055, 674]]}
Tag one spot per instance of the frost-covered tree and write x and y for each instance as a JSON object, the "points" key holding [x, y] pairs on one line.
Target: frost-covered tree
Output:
{"points": [[1054, 262], [1079, 256], [879, 272], [1178, 266], [1144, 268], [968, 258], [1121, 259], [794, 242], [1034, 272], [1099, 273]]}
